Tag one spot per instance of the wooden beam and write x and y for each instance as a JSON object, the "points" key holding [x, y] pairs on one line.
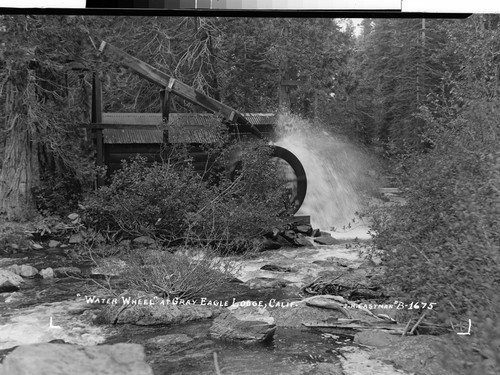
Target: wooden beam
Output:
{"points": [[177, 87]]}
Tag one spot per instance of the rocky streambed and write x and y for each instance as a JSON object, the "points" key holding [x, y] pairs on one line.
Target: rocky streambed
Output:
{"points": [[290, 311]]}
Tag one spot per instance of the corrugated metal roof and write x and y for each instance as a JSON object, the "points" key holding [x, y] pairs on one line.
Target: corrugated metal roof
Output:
{"points": [[182, 127]]}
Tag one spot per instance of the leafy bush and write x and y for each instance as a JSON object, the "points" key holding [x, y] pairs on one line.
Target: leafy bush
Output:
{"points": [[443, 245], [173, 204]]}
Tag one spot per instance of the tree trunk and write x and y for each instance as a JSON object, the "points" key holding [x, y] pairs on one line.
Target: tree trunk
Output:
{"points": [[20, 161]]}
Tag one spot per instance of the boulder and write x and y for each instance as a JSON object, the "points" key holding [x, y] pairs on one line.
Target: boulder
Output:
{"points": [[9, 281], [301, 240], [47, 273], [28, 271], [305, 229], [376, 338], [54, 243], [246, 324], [62, 359], [326, 240], [316, 233], [24, 270], [289, 235]]}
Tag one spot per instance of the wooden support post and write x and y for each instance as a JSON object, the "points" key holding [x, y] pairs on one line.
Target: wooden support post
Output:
{"points": [[165, 99], [97, 118]]}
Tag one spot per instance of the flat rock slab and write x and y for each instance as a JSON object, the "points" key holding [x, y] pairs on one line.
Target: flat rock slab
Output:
{"points": [[63, 359]]}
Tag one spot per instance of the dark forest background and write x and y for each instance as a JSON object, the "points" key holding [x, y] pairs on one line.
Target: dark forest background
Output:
{"points": [[422, 94]]}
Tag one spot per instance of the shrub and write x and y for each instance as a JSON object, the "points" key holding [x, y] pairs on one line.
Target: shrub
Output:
{"points": [[173, 204], [443, 244], [177, 274]]}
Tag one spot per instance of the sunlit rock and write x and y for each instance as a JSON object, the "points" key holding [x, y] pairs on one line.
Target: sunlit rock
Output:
{"points": [[47, 273], [51, 358], [9, 281], [54, 243], [23, 270]]}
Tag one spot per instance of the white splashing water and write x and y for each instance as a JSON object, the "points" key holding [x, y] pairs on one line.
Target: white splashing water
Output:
{"points": [[336, 171]]}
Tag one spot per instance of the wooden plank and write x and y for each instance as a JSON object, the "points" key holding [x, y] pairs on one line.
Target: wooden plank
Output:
{"points": [[177, 87]]}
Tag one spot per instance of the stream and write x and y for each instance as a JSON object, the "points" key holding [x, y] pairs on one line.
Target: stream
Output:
{"points": [[55, 309]]}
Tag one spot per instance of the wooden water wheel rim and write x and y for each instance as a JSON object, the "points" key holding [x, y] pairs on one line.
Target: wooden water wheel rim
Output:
{"points": [[298, 169]]}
